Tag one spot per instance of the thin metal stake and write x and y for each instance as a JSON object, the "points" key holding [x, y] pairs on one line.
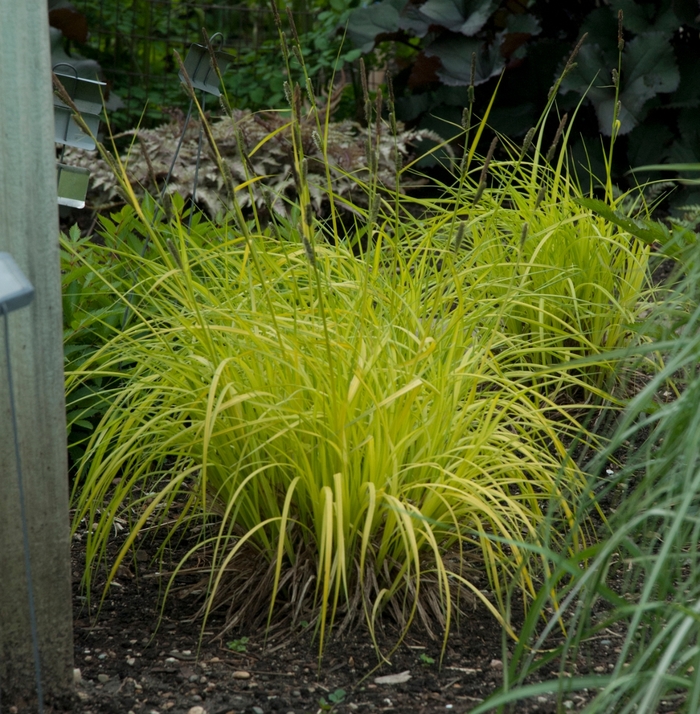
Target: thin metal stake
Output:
{"points": [[23, 518]]}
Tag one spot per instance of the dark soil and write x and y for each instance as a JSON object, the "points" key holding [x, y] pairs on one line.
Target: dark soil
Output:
{"points": [[130, 662]]}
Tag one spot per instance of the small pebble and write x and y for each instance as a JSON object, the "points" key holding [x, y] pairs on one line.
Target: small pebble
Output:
{"points": [[197, 710], [77, 678], [542, 700], [170, 660], [599, 668], [194, 678], [196, 698], [605, 643], [568, 704], [240, 674], [103, 678], [258, 710], [102, 656], [187, 653], [496, 664], [88, 658], [131, 661]]}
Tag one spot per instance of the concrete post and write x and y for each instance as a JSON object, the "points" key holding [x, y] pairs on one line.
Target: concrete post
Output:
{"points": [[29, 231]]}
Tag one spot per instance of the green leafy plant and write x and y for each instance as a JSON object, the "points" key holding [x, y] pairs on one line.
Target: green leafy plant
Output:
{"points": [[425, 659], [267, 137], [524, 45], [239, 645], [134, 40], [334, 698], [90, 317]]}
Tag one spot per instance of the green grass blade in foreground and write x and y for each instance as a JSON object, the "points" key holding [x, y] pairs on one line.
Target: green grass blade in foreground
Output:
{"points": [[650, 557]]}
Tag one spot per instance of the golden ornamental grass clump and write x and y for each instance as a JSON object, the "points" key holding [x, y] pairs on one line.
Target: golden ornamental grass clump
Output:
{"points": [[363, 422]]}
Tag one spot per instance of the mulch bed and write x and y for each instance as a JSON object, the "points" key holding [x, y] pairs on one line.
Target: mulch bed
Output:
{"points": [[133, 661]]}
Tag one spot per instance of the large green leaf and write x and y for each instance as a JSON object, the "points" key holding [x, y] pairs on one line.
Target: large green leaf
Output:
{"points": [[688, 12], [673, 242], [688, 93], [366, 23], [455, 54], [648, 68], [648, 16], [464, 16], [647, 231], [523, 23]]}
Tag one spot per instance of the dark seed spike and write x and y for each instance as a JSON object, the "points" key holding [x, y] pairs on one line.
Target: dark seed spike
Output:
{"points": [[296, 105], [557, 137], [292, 25], [391, 105], [487, 161], [540, 196], [309, 214], [390, 90], [243, 151], [296, 51], [310, 92], [620, 31], [373, 210], [457, 244], [378, 115], [276, 15], [174, 253], [365, 91], [308, 249], [570, 62], [523, 233], [527, 143]]}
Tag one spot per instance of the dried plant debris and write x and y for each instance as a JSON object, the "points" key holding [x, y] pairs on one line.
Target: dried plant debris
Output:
{"points": [[267, 140]]}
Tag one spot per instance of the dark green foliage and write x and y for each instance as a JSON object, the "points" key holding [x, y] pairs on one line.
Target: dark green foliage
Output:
{"points": [[654, 55], [133, 41], [89, 317]]}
